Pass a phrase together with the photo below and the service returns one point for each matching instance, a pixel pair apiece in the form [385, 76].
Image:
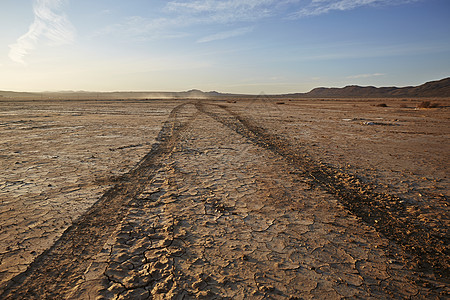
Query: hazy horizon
[243, 47]
[195, 89]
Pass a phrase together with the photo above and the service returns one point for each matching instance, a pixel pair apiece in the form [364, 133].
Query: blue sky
[246, 46]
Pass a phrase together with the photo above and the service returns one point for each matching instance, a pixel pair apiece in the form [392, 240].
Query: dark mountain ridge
[438, 88]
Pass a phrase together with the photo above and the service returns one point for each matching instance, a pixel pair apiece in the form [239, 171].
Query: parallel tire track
[61, 267]
[386, 213]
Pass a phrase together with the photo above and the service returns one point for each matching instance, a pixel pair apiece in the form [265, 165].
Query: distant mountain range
[439, 88]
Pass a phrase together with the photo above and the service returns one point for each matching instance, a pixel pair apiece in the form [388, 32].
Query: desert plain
[255, 198]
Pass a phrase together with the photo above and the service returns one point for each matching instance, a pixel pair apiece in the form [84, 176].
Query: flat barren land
[248, 199]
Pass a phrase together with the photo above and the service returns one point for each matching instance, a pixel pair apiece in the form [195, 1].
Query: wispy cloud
[319, 7]
[250, 10]
[225, 11]
[138, 28]
[359, 76]
[49, 22]
[226, 34]
[176, 16]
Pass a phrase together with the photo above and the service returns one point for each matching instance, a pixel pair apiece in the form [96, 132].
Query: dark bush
[427, 104]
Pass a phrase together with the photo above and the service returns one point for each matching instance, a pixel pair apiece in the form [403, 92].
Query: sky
[233, 46]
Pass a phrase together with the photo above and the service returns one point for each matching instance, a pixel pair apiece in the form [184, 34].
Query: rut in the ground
[68, 258]
[385, 212]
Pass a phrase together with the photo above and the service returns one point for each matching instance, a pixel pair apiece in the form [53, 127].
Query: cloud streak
[224, 11]
[319, 7]
[50, 23]
[225, 35]
[359, 76]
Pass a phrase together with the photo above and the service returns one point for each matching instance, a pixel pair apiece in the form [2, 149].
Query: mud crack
[386, 213]
[62, 266]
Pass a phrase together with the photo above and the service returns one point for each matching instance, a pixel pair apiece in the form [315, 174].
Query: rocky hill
[439, 88]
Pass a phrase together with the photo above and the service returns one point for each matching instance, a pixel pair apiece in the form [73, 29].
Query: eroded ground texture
[209, 199]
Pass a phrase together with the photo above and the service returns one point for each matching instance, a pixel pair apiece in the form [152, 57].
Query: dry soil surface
[207, 199]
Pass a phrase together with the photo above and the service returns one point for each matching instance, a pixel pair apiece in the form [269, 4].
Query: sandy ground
[323, 199]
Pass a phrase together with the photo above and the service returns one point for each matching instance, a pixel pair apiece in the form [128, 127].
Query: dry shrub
[427, 104]
[381, 105]
[280, 102]
[231, 101]
[403, 106]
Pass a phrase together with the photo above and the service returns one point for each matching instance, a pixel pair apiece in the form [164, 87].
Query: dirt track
[223, 206]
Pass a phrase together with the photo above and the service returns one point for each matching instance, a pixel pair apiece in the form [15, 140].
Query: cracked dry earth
[222, 207]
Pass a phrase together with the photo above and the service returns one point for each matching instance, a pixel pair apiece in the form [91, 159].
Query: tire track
[62, 266]
[59, 269]
[386, 213]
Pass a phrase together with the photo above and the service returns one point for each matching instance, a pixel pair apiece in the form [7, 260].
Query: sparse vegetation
[428, 104]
